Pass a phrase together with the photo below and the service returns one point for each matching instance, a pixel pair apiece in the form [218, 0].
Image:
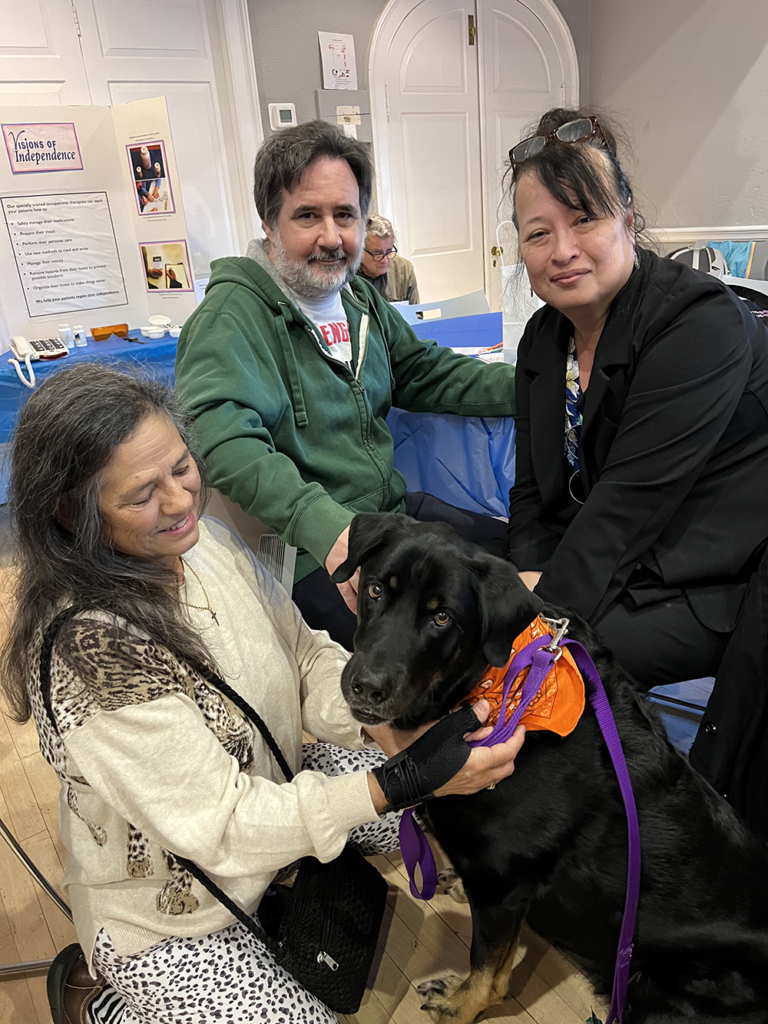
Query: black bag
[323, 930]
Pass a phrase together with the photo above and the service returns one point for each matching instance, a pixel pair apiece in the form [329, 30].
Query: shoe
[71, 989]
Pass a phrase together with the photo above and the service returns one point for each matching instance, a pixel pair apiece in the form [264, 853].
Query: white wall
[288, 57]
[286, 49]
[689, 79]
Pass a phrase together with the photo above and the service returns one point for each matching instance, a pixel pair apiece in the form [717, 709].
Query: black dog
[549, 843]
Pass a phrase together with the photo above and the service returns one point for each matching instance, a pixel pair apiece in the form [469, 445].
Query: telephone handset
[29, 351]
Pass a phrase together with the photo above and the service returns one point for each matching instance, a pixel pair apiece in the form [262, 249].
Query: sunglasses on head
[574, 131]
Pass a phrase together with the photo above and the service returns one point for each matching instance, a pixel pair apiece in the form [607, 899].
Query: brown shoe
[70, 986]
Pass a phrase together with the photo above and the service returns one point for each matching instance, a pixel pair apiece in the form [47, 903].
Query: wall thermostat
[282, 115]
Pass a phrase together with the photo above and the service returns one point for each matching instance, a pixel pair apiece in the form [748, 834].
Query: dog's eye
[442, 618]
[375, 591]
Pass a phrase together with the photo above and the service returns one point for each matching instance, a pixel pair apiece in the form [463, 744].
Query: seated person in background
[391, 275]
[648, 511]
[292, 362]
[152, 757]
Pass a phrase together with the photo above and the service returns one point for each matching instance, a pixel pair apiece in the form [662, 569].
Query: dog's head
[433, 611]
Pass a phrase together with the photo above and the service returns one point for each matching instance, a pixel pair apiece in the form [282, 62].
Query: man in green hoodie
[292, 362]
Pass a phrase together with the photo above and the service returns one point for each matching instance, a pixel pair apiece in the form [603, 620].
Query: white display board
[91, 219]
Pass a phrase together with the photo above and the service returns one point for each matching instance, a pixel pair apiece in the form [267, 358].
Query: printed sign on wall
[66, 252]
[42, 147]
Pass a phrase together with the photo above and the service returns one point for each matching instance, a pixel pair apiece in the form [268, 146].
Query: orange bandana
[559, 703]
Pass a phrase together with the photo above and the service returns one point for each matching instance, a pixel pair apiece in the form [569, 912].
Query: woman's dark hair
[66, 435]
[283, 159]
[574, 178]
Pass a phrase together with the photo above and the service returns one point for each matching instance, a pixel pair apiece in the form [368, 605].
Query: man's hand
[336, 556]
[530, 579]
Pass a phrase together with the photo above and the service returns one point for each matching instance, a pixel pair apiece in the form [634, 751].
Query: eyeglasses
[379, 257]
[574, 131]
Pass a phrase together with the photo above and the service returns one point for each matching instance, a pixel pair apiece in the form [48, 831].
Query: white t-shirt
[332, 323]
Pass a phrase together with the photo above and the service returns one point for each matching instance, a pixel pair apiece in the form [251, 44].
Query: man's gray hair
[285, 156]
[379, 227]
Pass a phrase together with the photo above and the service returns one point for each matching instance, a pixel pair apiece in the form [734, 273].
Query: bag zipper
[323, 956]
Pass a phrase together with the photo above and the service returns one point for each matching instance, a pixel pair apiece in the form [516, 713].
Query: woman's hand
[392, 740]
[484, 766]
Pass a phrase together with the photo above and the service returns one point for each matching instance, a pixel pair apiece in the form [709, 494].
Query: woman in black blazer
[641, 491]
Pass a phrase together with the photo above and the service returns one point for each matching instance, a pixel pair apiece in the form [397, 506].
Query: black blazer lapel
[605, 396]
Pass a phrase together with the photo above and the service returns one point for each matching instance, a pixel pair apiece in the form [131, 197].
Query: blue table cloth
[468, 461]
[156, 357]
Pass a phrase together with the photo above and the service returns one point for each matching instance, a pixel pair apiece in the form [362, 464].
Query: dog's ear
[368, 532]
[506, 606]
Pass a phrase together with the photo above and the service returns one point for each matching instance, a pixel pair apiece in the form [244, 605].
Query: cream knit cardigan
[152, 759]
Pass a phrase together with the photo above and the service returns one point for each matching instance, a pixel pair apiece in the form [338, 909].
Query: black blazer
[673, 452]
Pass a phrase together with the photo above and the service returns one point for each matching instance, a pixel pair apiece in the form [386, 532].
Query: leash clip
[561, 628]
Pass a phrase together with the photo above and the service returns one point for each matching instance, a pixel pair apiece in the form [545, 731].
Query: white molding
[734, 233]
[571, 71]
[245, 110]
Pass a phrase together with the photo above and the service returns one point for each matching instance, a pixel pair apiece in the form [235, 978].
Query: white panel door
[446, 113]
[525, 68]
[40, 59]
[166, 48]
[434, 196]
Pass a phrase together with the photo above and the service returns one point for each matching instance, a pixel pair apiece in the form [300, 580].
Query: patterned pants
[228, 976]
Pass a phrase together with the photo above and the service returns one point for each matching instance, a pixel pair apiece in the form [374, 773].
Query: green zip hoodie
[291, 434]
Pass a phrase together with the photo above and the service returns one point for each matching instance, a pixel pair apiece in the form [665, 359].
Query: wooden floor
[422, 941]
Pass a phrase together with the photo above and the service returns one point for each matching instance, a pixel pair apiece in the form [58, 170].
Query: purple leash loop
[541, 654]
[413, 844]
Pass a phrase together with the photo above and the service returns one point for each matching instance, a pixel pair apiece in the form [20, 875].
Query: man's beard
[312, 278]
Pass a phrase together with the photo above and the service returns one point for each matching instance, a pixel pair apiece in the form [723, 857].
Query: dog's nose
[372, 688]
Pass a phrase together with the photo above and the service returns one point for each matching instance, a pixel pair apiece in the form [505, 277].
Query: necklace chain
[199, 607]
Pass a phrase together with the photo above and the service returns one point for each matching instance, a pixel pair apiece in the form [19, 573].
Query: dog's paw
[449, 884]
[435, 995]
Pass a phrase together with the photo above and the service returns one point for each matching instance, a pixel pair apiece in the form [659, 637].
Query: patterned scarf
[573, 417]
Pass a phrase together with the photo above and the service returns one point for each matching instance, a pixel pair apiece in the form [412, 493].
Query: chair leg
[27, 967]
[31, 966]
[40, 878]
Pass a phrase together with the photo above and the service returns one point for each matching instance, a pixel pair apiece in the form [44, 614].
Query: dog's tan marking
[432, 603]
[449, 1001]
[393, 582]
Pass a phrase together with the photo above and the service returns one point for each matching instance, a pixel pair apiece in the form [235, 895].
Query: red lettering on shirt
[335, 333]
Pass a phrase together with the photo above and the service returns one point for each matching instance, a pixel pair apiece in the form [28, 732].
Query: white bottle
[80, 339]
[65, 334]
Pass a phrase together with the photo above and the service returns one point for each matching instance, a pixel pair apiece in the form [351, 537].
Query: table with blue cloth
[468, 461]
[156, 357]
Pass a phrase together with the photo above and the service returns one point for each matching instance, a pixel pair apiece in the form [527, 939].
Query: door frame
[387, 24]
[238, 93]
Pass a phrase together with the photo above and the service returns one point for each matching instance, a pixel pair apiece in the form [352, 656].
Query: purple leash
[541, 654]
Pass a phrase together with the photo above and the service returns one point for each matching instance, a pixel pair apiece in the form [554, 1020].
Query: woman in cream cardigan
[151, 757]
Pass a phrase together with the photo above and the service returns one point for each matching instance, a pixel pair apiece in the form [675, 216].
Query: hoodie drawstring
[297, 395]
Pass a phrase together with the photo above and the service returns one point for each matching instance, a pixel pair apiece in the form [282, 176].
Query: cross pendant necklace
[200, 607]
